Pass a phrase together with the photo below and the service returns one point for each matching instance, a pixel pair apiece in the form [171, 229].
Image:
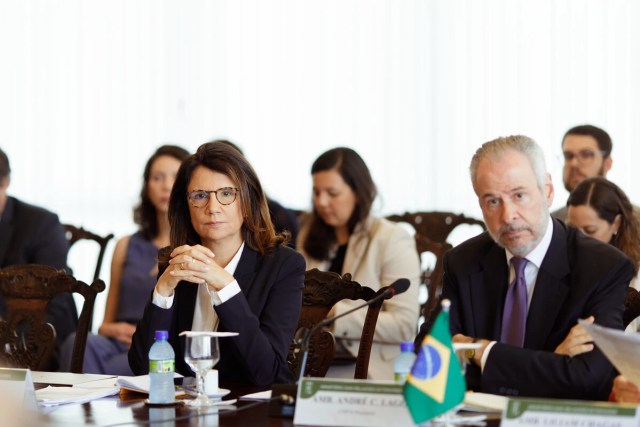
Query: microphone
[284, 403]
[397, 287]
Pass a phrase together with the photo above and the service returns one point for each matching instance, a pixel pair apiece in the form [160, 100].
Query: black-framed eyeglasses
[584, 157]
[224, 195]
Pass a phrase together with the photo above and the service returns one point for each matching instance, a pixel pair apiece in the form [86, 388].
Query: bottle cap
[162, 335]
[406, 346]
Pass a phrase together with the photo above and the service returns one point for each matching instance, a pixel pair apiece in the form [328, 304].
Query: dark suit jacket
[579, 277]
[32, 235]
[265, 314]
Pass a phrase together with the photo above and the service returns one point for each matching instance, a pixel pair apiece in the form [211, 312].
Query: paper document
[261, 395]
[484, 402]
[621, 349]
[82, 393]
[66, 378]
[141, 383]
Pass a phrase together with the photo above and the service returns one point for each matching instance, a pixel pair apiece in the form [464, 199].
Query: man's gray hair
[499, 146]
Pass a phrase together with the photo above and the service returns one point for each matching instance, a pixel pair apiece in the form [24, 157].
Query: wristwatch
[471, 353]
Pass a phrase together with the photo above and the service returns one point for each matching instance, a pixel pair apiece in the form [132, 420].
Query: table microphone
[287, 399]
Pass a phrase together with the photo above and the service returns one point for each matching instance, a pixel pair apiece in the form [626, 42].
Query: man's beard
[600, 173]
[537, 231]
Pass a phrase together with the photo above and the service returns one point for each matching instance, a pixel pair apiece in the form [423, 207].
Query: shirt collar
[537, 254]
[233, 264]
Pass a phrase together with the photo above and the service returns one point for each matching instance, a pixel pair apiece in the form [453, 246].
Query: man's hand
[578, 341]
[625, 391]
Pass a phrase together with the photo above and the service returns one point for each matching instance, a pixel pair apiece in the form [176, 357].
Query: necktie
[514, 317]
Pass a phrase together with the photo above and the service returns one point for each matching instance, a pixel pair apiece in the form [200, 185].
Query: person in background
[283, 219]
[341, 235]
[227, 270]
[587, 152]
[33, 235]
[134, 269]
[600, 209]
[519, 288]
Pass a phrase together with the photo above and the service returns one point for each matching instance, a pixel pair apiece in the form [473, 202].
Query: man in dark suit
[32, 235]
[521, 317]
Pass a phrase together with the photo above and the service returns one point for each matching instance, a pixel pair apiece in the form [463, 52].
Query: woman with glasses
[341, 235]
[226, 270]
[134, 269]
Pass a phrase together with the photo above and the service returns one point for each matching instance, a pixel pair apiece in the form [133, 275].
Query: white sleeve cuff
[226, 293]
[485, 354]
[160, 301]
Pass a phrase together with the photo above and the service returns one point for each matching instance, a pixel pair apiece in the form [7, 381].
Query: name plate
[568, 413]
[17, 385]
[352, 403]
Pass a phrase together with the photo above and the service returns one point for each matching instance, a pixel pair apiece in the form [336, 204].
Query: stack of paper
[79, 393]
[141, 383]
[484, 402]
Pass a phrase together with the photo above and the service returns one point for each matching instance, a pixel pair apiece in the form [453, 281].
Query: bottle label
[162, 366]
[401, 377]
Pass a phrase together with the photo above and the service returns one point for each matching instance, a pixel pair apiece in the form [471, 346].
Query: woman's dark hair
[356, 175]
[257, 229]
[145, 213]
[609, 201]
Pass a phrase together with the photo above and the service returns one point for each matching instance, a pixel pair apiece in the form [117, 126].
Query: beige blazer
[379, 252]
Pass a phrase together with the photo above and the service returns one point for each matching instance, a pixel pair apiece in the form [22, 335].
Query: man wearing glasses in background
[587, 152]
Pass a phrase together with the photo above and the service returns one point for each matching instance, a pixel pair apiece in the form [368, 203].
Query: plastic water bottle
[404, 362]
[161, 368]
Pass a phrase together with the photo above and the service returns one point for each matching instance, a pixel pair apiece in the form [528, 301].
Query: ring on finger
[182, 266]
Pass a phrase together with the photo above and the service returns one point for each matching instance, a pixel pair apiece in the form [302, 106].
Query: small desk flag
[436, 383]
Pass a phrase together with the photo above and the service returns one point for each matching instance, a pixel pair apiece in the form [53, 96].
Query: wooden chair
[432, 230]
[631, 306]
[75, 234]
[435, 226]
[25, 340]
[322, 290]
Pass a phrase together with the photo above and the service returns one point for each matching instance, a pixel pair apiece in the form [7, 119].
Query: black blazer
[265, 314]
[32, 235]
[579, 277]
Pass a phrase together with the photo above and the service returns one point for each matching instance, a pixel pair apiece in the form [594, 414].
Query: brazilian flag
[436, 383]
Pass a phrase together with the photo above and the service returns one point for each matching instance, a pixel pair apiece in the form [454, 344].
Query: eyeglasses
[225, 196]
[584, 157]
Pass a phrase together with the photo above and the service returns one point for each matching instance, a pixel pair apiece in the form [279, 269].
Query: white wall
[88, 89]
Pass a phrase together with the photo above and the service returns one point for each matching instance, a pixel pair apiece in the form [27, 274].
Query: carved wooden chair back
[435, 226]
[75, 234]
[432, 230]
[322, 290]
[26, 341]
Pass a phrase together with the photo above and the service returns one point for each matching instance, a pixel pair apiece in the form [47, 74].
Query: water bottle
[161, 369]
[404, 362]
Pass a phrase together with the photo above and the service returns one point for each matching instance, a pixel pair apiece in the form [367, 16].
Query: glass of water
[201, 353]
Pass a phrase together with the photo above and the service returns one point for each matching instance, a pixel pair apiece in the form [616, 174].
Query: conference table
[129, 409]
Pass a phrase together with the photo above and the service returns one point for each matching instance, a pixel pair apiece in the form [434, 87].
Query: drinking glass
[201, 353]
